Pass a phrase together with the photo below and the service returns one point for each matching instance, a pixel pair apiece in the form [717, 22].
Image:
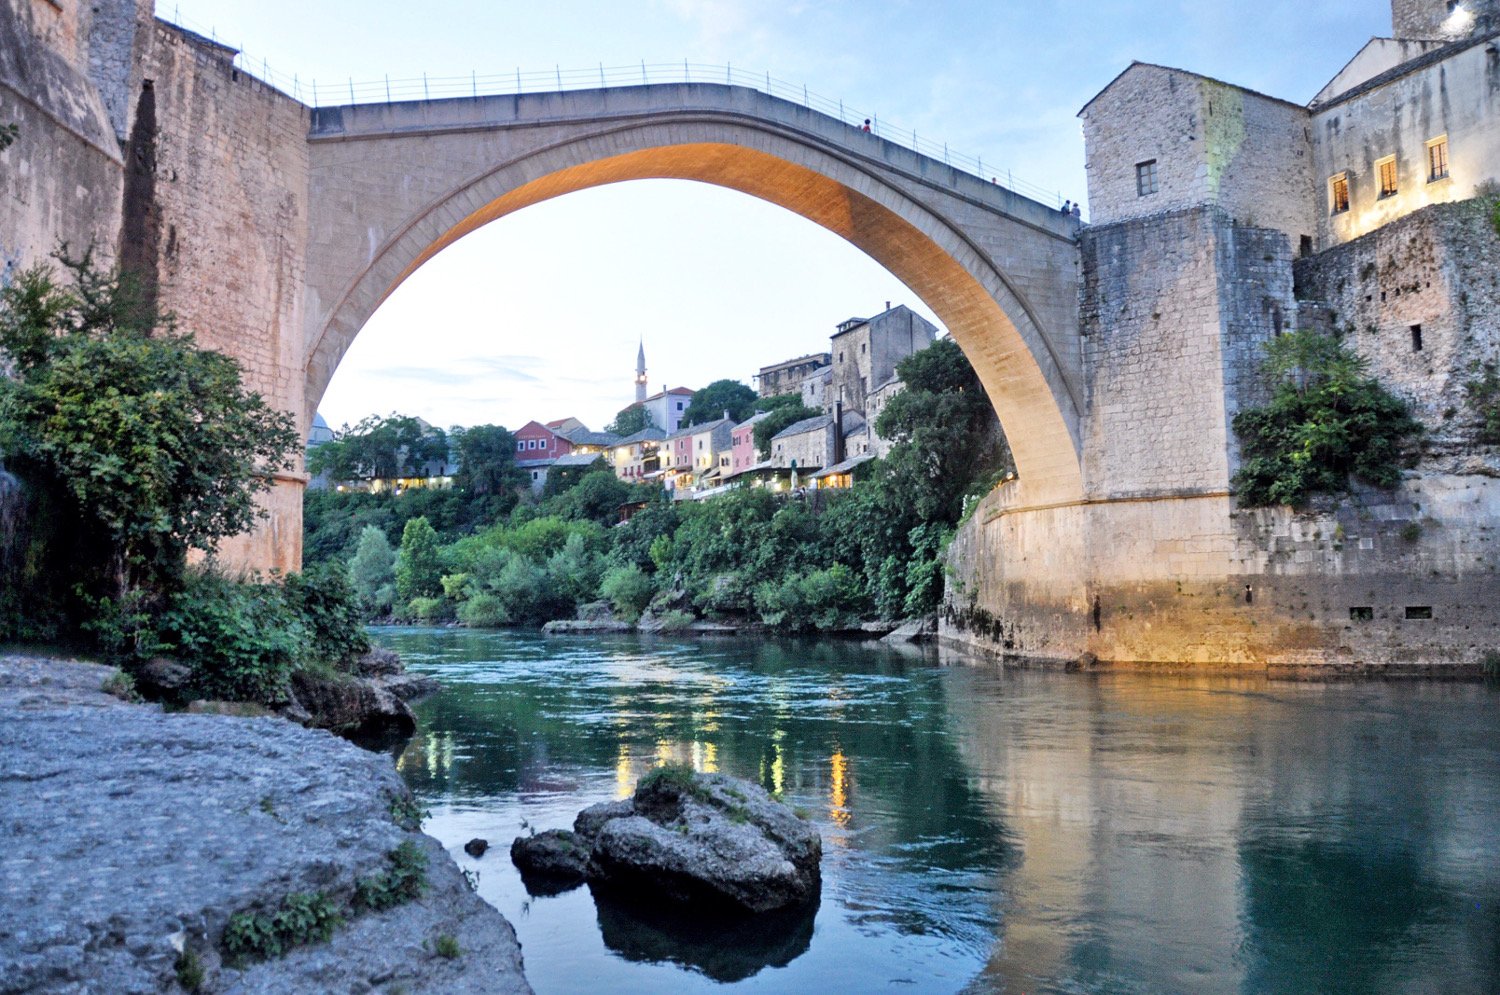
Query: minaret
[640, 373]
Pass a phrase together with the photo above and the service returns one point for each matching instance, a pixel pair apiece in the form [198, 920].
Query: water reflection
[990, 830]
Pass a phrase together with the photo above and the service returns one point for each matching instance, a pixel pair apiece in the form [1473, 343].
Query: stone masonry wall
[1393, 582]
[1437, 270]
[61, 179]
[230, 218]
[1154, 420]
[1213, 143]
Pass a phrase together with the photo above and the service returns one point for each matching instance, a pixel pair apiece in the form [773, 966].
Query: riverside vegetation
[826, 562]
[133, 447]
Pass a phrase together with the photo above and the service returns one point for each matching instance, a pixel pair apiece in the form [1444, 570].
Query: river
[989, 830]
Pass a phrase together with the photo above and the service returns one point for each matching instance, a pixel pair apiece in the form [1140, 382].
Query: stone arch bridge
[390, 185]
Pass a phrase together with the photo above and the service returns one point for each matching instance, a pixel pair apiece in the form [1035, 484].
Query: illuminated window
[1386, 169]
[1338, 193]
[1437, 159]
[1145, 178]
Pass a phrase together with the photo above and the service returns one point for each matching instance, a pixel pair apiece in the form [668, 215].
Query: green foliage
[8, 134]
[710, 403]
[403, 880]
[429, 610]
[324, 597]
[241, 640]
[381, 449]
[1490, 665]
[155, 443]
[633, 540]
[822, 599]
[302, 918]
[418, 569]
[944, 434]
[120, 685]
[189, 969]
[674, 620]
[782, 417]
[446, 946]
[595, 496]
[678, 776]
[1327, 420]
[629, 589]
[372, 573]
[630, 420]
[487, 461]
[1484, 395]
[483, 611]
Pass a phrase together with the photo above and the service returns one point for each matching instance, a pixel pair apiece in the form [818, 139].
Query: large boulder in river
[352, 706]
[555, 857]
[709, 840]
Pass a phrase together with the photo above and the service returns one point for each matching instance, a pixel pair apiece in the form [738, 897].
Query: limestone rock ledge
[127, 833]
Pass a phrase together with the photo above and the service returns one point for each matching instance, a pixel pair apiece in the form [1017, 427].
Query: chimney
[838, 431]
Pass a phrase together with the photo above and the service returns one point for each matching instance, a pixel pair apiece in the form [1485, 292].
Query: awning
[845, 467]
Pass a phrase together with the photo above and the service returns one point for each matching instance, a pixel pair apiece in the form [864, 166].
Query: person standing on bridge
[867, 125]
[1077, 214]
[1067, 207]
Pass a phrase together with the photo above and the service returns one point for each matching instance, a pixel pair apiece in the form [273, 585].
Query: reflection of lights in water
[838, 789]
[705, 757]
[778, 770]
[624, 783]
[665, 754]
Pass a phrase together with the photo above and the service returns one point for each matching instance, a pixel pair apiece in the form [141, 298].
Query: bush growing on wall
[1327, 421]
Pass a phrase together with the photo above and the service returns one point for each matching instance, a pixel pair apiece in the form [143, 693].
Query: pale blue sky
[538, 314]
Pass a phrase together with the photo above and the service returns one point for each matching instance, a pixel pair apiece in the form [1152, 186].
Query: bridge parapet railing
[324, 93]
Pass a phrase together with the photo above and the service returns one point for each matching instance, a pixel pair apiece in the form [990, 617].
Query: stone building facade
[786, 376]
[1190, 268]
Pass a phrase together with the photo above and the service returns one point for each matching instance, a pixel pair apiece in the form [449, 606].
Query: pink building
[742, 455]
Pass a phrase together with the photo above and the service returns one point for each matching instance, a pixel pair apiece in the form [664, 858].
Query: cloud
[469, 370]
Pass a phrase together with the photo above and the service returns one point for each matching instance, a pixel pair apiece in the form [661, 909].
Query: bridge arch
[392, 185]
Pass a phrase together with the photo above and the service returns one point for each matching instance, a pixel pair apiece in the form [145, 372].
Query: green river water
[988, 830]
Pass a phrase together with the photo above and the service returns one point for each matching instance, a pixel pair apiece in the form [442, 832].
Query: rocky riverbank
[136, 846]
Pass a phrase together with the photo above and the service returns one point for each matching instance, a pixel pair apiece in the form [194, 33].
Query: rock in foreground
[701, 840]
[131, 835]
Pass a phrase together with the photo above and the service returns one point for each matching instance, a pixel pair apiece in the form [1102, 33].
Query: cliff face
[131, 835]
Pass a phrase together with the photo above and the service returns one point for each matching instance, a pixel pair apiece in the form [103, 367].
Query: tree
[487, 460]
[945, 438]
[711, 403]
[418, 569]
[380, 449]
[155, 445]
[372, 571]
[629, 421]
[783, 417]
[1327, 420]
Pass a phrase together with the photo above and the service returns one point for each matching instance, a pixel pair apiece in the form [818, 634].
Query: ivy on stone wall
[1484, 395]
[1327, 421]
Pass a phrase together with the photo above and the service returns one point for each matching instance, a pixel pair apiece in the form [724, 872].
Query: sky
[538, 315]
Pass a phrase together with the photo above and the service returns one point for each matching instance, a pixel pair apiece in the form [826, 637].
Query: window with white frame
[1437, 159]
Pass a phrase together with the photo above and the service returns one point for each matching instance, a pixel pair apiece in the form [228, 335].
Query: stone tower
[640, 373]
[1443, 19]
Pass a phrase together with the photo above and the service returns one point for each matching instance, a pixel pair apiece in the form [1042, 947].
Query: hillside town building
[786, 376]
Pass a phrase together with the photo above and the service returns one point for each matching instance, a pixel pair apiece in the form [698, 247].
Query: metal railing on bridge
[323, 93]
